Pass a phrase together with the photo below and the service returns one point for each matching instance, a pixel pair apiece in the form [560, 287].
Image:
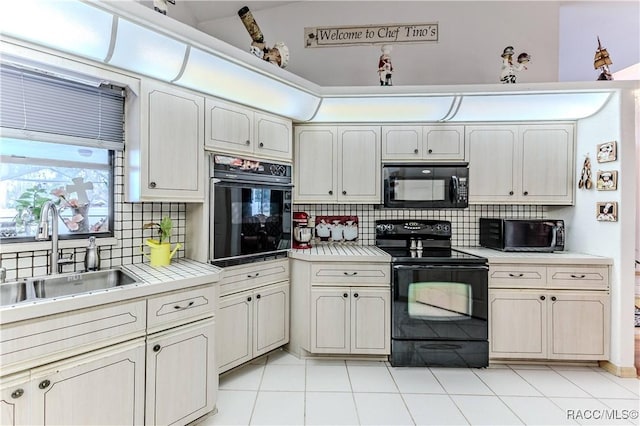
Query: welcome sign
[370, 34]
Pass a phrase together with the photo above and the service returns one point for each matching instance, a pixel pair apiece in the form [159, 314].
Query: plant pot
[160, 253]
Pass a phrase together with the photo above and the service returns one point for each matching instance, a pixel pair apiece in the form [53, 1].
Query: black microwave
[543, 235]
[426, 186]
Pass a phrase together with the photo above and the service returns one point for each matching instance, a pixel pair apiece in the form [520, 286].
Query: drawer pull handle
[542, 297]
[351, 274]
[156, 348]
[553, 298]
[17, 393]
[44, 384]
[254, 275]
[579, 277]
[516, 275]
[190, 304]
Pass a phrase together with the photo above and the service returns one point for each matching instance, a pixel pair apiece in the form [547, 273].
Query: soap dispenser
[92, 256]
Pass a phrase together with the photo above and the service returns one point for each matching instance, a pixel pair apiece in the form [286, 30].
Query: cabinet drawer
[518, 276]
[347, 273]
[580, 276]
[42, 340]
[239, 278]
[181, 306]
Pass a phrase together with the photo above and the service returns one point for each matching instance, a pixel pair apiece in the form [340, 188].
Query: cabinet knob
[525, 193]
[416, 151]
[542, 297]
[257, 296]
[156, 348]
[248, 142]
[355, 294]
[510, 192]
[345, 295]
[17, 393]
[430, 151]
[553, 298]
[249, 299]
[261, 145]
[44, 384]
[152, 185]
[330, 192]
[344, 192]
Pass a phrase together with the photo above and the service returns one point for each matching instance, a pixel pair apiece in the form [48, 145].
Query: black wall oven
[250, 216]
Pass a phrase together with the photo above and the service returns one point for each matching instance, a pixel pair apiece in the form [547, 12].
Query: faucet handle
[3, 274]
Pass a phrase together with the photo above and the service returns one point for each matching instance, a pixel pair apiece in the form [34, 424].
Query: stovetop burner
[432, 256]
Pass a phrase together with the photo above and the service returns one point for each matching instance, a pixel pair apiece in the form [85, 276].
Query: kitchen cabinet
[337, 164]
[549, 312]
[350, 320]
[521, 164]
[235, 129]
[423, 143]
[253, 313]
[167, 162]
[104, 387]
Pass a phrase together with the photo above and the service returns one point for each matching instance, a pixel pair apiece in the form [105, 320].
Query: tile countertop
[556, 258]
[180, 274]
[341, 253]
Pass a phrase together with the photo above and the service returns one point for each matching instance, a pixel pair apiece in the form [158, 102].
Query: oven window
[419, 190]
[439, 300]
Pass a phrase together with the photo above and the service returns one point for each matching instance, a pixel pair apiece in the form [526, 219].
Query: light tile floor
[280, 389]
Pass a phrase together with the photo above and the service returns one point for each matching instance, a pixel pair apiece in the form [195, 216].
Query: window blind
[33, 102]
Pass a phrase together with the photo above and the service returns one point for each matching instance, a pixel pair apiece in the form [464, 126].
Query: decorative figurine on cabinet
[602, 61]
[277, 55]
[509, 69]
[161, 6]
[385, 69]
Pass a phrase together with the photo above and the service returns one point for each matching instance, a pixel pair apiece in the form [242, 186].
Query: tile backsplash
[128, 221]
[464, 222]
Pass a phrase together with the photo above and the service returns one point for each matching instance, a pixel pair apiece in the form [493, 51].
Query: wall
[472, 38]
[128, 221]
[464, 222]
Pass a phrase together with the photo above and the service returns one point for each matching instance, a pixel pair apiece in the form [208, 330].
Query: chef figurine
[385, 69]
[509, 69]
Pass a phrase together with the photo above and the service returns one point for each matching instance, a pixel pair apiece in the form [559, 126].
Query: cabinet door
[370, 321]
[316, 173]
[401, 143]
[15, 394]
[272, 137]
[359, 165]
[271, 318]
[330, 320]
[104, 387]
[228, 127]
[443, 142]
[547, 164]
[578, 325]
[182, 380]
[492, 163]
[517, 324]
[173, 157]
[234, 320]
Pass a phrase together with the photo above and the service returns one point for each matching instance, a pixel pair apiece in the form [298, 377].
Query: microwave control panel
[463, 190]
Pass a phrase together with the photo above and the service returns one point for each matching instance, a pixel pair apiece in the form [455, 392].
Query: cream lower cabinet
[567, 317]
[252, 323]
[350, 320]
[104, 387]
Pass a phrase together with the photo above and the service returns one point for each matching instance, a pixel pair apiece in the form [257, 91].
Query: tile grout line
[499, 397]
[401, 395]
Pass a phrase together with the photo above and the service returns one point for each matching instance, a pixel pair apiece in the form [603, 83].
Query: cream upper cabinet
[167, 162]
[234, 129]
[337, 164]
[423, 143]
[521, 164]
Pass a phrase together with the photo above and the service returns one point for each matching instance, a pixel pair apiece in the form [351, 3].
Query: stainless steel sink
[52, 286]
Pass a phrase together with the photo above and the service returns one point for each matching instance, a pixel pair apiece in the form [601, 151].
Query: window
[58, 143]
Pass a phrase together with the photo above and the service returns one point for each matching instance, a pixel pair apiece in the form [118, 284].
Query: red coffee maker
[302, 232]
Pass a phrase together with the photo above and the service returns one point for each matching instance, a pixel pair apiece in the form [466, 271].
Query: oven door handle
[458, 267]
[250, 184]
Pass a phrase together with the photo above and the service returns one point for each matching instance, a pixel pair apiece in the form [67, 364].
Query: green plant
[29, 204]
[164, 228]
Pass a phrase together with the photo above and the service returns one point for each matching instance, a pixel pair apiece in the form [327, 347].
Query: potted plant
[28, 207]
[160, 254]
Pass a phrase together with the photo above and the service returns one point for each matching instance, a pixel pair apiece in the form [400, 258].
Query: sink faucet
[43, 232]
